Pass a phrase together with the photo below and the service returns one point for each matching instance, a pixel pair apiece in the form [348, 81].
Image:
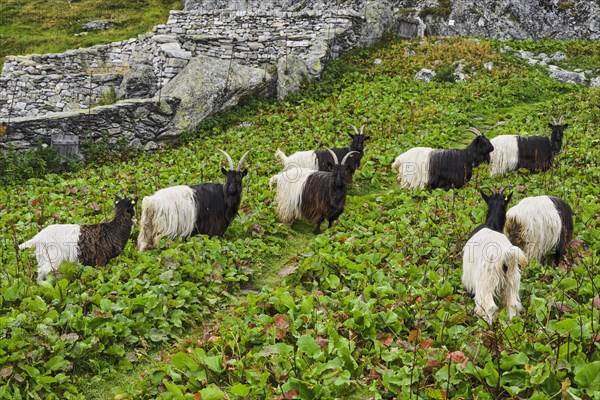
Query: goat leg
[334, 216]
[318, 228]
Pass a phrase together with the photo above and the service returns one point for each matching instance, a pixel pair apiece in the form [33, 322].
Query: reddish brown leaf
[197, 396]
[521, 188]
[427, 343]
[290, 394]
[322, 342]
[281, 322]
[596, 302]
[95, 206]
[458, 357]
[434, 364]
[386, 339]
[73, 190]
[101, 313]
[18, 378]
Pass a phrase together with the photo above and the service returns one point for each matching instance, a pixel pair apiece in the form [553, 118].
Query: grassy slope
[381, 291]
[39, 26]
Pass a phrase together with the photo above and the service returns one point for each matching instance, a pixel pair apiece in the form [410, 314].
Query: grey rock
[595, 82]
[98, 25]
[207, 85]
[488, 65]
[139, 82]
[558, 56]
[150, 146]
[566, 76]
[425, 75]
[292, 75]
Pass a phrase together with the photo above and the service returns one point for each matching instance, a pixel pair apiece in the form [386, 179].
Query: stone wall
[45, 94]
[140, 122]
[43, 83]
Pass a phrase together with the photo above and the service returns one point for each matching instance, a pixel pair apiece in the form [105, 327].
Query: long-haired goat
[322, 160]
[540, 224]
[535, 153]
[182, 211]
[303, 193]
[92, 245]
[424, 167]
[491, 262]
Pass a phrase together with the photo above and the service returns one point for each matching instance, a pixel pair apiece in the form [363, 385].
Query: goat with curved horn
[313, 195]
[182, 211]
[424, 167]
[322, 160]
[535, 153]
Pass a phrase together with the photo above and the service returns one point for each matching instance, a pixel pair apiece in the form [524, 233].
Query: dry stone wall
[45, 94]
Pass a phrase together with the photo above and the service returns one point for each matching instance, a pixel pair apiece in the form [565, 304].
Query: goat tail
[281, 156]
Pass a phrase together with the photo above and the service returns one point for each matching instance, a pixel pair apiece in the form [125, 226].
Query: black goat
[181, 211]
[424, 167]
[535, 153]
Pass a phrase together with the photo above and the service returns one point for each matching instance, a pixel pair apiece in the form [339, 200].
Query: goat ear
[117, 199]
[367, 137]
[485, 197]
[244, 173]
[565, 126]
[134, 200]
[351, 135]
[550, 124]
[223, 171]
[507, 198]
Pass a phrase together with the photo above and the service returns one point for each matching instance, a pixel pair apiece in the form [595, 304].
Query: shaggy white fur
[484, 257]
[53, 245]
[534, 223]
[505, 156]
[300, 159]
[413, 167]
[290, 184]
[169, 212]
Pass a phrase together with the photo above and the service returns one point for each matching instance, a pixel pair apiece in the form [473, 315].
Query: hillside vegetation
[372, 308]
[42, 26]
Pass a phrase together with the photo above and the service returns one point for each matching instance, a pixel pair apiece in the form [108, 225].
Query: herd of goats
[313, 186]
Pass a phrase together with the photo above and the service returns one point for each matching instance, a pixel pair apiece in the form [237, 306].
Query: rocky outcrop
[139, 82]
[292, 76]
[510, 19]
[207, 85]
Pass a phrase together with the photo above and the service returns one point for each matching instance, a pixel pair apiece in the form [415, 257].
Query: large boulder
[292, 75]
[207, 85]
[139, 82]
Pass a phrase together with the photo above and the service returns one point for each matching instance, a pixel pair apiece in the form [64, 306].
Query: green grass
[374, 307]
[41, 26]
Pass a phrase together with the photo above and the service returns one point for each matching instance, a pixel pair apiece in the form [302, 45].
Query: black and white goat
[182, 211]
[322, 160]
[540, 224]
[424, 167]
[535, 153]
[316, 196]
[92, 245]
[491, 263]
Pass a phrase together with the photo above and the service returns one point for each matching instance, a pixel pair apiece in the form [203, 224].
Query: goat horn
[348, 155]
[335, 159]
[475, 131]
[355, 129]
[503, 188]
[241, 163]
[228, 159]
[487, 188]
[560, 119]
[554, 120]
[361, 129]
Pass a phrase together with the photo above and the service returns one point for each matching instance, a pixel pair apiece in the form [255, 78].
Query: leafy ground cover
[41, 26]
[372, 308]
